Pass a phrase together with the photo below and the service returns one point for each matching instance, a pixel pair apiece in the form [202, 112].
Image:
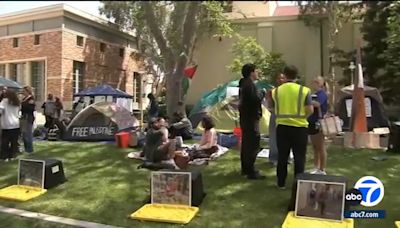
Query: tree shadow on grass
[105, 187]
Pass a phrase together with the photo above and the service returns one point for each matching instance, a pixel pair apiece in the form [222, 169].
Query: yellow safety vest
[289, 100]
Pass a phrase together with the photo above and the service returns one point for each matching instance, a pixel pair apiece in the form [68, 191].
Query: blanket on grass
[199, 161]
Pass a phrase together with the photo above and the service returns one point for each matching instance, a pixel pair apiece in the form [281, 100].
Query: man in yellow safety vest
[293, 104]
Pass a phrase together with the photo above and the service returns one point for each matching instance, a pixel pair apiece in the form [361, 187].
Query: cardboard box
[367, 140]
[133, 138]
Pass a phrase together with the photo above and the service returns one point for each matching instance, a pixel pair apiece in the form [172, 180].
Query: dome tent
[376, 116]
[100, 121]
[222, 104]
[107, 93]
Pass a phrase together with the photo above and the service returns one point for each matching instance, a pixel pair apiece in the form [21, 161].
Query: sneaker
[314, 171]
[321, 172]
[281, 187]
[6, 160]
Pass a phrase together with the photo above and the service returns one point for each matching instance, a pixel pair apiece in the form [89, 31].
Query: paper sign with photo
[171, 188]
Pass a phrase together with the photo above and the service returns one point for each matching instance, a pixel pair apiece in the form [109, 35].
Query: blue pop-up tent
[105, 93]
[103, 90]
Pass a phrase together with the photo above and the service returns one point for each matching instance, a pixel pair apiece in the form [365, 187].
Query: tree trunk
[174, 93]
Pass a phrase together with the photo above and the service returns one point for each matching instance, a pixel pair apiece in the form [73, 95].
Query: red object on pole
[237, 131]
[190, 71]
[358, 115]
[122, 139]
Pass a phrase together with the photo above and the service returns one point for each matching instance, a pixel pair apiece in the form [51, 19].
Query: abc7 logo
[353, 197]
[368, 191]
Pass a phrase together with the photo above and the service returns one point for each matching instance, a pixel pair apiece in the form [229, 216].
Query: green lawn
[105, 187]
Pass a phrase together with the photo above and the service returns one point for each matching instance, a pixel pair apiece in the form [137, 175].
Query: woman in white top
[9, 110]
[209, 139]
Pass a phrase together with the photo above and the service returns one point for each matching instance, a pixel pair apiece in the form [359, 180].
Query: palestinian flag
[190, 71]
[189, 74]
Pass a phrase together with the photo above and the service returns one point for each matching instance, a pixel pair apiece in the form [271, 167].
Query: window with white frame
[78, 76]
[136, 85]
[37, 79]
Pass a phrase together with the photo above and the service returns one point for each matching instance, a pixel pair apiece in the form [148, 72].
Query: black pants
[9, 143]
[250, 145]
[183, 132]
[294, 138]
[49, 122]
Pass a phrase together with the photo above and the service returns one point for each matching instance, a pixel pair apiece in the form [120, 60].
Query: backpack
[50, 108]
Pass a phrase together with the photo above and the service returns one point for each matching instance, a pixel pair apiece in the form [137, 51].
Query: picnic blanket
[200, 161]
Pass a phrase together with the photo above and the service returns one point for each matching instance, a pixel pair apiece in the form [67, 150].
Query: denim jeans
[273, 148]
[27, 137]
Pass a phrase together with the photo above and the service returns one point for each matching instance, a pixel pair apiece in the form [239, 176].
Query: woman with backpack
[49, 110]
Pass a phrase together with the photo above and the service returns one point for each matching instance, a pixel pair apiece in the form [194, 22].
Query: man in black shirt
[250, 115]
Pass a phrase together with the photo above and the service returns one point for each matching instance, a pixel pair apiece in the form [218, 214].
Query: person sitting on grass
[158, 149]
[208, 143]
[181, 127]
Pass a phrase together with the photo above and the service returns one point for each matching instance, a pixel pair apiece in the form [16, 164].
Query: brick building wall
[100, 67]
[48, 50]
[58, 49]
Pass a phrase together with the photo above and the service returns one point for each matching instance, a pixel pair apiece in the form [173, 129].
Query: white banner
[368, 110]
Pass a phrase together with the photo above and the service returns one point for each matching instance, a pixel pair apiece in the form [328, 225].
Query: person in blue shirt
[320, 103]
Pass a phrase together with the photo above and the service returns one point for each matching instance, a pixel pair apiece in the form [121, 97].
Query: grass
[105, 187]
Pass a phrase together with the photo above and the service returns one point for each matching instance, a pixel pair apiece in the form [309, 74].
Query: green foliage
[167, 33]
[390, 56]
[247, 50]
[381, 30]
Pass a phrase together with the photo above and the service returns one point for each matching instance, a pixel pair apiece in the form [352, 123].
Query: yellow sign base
[21, 192]
[294, 222]
[165, 213]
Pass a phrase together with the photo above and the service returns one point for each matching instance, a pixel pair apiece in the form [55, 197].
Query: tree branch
[189, 30]
[155, 30]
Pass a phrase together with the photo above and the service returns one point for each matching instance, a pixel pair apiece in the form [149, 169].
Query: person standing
[293, 105]
[250, 112]
[49, 111]
[320, 103]
[273, 148]
[27, 118]
[78, 106]
[59, 109]
[9, 109]
[153, 107]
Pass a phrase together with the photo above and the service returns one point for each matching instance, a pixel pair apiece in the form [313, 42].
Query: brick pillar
[8, 71]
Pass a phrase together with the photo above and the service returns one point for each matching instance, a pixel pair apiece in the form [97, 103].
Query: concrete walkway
[54, 219]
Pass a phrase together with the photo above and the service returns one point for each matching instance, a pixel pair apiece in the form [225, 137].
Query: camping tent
[376, 116]
[100, 121]
[107, 93]
[222, 104]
